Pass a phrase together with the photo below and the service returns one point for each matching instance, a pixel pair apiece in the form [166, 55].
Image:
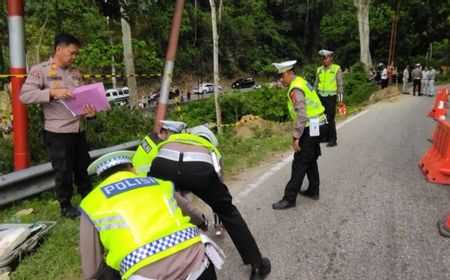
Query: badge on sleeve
[35, 74]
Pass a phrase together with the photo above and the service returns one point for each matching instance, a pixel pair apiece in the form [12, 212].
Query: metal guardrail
[40, 178]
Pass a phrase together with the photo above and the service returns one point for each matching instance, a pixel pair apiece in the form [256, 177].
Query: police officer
[329, 86]
[416, 77]
[47, 84]
[137, 222]
[193, 163]
[309, 119]
[148, 148]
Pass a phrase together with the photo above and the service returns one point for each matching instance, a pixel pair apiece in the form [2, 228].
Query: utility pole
[18, 72]
[393, 39]
[169, 64]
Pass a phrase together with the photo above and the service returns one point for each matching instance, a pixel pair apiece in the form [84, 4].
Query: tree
[216, 65]
[363, 7]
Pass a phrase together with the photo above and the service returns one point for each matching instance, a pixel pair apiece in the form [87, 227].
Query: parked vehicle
[205, 88]
[118, 95]
[243, 83]
[173, 92]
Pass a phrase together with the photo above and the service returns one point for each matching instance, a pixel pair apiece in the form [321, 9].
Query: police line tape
[4, 76]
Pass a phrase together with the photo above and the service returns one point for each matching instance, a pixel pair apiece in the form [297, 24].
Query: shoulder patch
[35, 74]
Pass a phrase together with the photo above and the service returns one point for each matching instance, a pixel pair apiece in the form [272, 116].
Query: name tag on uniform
[314, 127]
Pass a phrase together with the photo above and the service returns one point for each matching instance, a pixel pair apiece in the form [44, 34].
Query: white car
[118, 95]
[205, 88]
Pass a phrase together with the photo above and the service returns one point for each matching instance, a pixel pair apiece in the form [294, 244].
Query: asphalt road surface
[376, 217]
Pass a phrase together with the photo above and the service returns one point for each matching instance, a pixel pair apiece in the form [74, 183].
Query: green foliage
[357, 87]
[7, 154]
[268, 103]
[119, 125]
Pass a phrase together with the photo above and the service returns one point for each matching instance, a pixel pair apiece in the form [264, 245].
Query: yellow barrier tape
[90, 75]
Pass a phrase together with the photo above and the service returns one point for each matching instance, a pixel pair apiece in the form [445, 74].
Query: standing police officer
[47, 84]
[309, 119]
[193, 163]
[329, 86]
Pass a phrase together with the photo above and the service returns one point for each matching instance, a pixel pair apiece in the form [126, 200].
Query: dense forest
[252, 33]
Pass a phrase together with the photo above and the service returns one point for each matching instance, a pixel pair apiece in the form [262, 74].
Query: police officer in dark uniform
[193, 163]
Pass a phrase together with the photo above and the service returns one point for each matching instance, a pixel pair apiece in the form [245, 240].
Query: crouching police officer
[138, 223]
[309, 119]
[192, 163]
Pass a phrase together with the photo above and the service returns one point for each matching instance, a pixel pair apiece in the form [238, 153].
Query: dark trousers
[305, 163]
[417, 84]
[201, 179]
[329, 102]
[209, 273]
[384, 83]
[69, 155]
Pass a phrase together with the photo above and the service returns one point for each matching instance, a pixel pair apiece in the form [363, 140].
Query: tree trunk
[216, 65]
[129, 61]
[363, 7]
[38, 46]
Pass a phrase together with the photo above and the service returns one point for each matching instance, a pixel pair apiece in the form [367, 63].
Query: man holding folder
[48, 84]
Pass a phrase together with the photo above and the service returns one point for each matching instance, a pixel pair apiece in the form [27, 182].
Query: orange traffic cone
[440, 111]
[444, 226]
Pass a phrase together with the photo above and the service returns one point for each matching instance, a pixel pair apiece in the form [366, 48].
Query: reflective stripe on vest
[327, 85]
[190, 139]
[157, 246]
[131, 212]
[314, 108]
[145, 153]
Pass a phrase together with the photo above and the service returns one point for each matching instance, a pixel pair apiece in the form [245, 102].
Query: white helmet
[205, 132]
[173, 126]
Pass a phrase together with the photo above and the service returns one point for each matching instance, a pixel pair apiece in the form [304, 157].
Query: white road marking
[238, 198]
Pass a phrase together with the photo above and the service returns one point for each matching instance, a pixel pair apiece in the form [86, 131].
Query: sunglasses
[324, 57]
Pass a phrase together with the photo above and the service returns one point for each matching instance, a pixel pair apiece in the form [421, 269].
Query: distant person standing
[48, 83]
[416, 77]
[424, 81]
[329, 87]
[384, 77]
[405, 79]
[431, 80]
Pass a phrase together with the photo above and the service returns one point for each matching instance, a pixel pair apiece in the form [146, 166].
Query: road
[376, 217]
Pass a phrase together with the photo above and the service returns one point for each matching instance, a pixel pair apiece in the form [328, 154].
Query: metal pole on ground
[168, 66]
[18, 72]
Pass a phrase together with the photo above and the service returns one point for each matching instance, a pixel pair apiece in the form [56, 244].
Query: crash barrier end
[444, 226]
[435, 163]
[440, 105]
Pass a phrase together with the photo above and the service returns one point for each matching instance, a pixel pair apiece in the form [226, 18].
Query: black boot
[283, 204]
[262, 270]
[68, 211]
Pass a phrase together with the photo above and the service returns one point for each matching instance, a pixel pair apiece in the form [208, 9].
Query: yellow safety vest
[138, 221]
[144, 156]
[327, 85]
[314, 108]
[191, 139]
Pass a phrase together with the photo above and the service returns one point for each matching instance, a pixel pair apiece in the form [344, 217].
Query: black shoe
[332, 144]
[283, 204]
[260, 272]
[69, 212]
[314, 196]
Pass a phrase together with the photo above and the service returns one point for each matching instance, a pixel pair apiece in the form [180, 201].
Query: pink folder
[93, 94]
